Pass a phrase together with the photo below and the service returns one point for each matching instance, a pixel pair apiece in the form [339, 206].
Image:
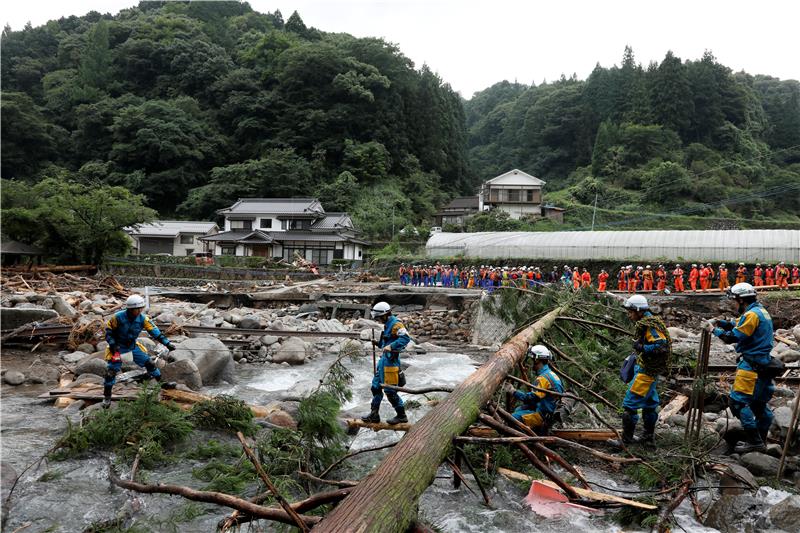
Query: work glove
[374, 342]
[724, 325]
[638, 346]
[709, 326]
[170, 347]
[387, 348]
[116, 357]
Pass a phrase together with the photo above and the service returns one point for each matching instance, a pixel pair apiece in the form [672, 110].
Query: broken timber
[387, 499]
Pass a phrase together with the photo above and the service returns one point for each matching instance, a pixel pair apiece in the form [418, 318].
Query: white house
[174, 237]
[516, 192]
[281, 227]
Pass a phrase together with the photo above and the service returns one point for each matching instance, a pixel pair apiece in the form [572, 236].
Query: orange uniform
[782, 275]
[741, 274]
[576, 279]
[704, 278]
[601, 281]
[770, 272]
[586, 279]
[693, 275]
[647, 277]
[633, 281]
[622, 280]
[662, 279]
[723, 278]
[758, 277]
[795, 275]
[677, 277]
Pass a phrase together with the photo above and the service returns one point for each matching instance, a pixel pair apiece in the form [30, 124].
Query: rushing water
[80, 492]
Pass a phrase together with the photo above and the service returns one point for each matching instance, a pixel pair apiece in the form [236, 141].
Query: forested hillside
[684, 137]
[193, 105]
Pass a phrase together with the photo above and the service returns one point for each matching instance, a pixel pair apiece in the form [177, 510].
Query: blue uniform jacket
[539, 400]
[396, 336]
[122, 330]
[752, 333]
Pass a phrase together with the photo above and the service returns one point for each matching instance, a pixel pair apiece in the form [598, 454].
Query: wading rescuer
[653, 347]
[393, 340]
[537, 407]
[122, 330]
[753, 385]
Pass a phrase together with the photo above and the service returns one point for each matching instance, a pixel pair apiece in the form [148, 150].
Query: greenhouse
[673, 245]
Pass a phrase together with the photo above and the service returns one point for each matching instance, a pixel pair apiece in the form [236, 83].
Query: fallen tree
[387, 499]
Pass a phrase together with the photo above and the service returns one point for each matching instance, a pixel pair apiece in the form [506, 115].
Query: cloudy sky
[475, 43]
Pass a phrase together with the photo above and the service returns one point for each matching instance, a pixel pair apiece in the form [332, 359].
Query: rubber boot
[373, 417]
[648, 436]
[752, 444]
[106, 396]
[165, 384]
[400, 418]
[628, 427]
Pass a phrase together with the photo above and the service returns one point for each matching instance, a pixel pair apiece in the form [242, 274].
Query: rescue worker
[758, 276]
[741, 273]
[723, 277]
[661, 275]
[122, 330]
[677, 278]
[782, 275]
[703, 277]
[795, 274]
[536, 408]
[694, 275]
[586, 279]
[633, 279]
[710, 275]
[752, 389]
[770, 274]
[394, 339]
[653, 345]
[647, 279]
[622, 280]
[576, 278]
[602, 278]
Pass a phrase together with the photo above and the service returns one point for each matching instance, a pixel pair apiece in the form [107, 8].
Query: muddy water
[81, 494]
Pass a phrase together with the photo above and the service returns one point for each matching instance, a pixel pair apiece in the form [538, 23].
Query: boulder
[293, 350]
[87, 378]
[17, 299]
[85, 347]
[727, 512]
[63, 308]
[250, 322]
[14, 317]
[8, 476]
[183, 371]
[269, 340]
[14, 377]
[282, 419]
[782, 419]
[372, 333]
[43, 374]
[796, 333]
[790, 356]
[330, 326]
[212, 358]
[760, 464]
[736, 479]
[75, 357]
[364, 323]
[786, 514]
[91, 365]
[308, 309]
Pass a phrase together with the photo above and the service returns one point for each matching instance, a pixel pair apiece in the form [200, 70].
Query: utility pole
[594, 212]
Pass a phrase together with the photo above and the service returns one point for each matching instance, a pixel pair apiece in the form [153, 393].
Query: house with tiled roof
[174, 237]
[282, 227]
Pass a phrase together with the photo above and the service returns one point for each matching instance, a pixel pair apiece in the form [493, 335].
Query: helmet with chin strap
[540, 353]
[637, 302]
[380, 309]
[134, 301]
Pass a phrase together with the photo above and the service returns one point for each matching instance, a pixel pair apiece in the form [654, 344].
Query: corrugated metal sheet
[722, 245]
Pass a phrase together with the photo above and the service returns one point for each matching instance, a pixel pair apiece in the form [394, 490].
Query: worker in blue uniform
[394, 339]
[122, 330]
[753, 385]
[536, 408]
[653, 347]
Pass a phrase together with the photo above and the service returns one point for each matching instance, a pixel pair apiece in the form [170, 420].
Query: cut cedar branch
[387, 500]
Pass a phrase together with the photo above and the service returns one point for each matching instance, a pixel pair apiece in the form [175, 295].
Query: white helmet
[540, 353]
[637, 302]
[741, 290]
[380, 309]
[134, 301]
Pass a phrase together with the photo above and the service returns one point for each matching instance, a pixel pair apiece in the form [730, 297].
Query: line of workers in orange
[628, 278]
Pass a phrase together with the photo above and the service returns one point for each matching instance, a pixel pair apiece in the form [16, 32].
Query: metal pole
[789, 435]
[594, 212]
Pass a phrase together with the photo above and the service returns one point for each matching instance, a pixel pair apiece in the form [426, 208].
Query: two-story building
[281, 227]
[174, 237]
[457, 211]
[516, 192]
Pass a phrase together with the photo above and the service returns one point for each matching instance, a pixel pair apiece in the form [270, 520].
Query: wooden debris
[676, 405]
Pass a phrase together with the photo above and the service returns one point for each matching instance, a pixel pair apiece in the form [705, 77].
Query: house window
[513, 195]
[189, 251]
[295, 224]
[529, 195]
[241, 224]
[338, 254]
[229, 250]
[494, 195]
[266, 223]
[187, 239]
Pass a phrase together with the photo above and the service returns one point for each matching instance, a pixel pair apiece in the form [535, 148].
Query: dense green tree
[671, 95]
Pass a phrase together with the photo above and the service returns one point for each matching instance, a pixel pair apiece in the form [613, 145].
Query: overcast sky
[475, 43]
